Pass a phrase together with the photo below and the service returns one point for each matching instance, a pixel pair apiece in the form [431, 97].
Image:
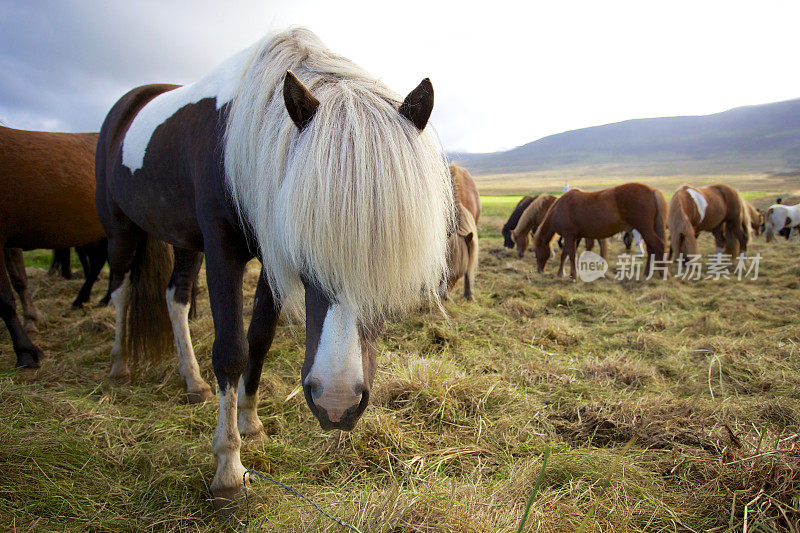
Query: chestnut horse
[602, 214]
[513, 219]
[532, 217]
[756, 218]
[465, 190]
[717, 209]
[462, 244]
[46, 201]
[331, 182]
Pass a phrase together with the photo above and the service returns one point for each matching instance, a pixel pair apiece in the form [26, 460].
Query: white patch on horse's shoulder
[699, 200]
[339, 351]
[221, 83]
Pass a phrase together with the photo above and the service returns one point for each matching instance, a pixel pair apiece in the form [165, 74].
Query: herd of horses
[637, 209]
[291, 154]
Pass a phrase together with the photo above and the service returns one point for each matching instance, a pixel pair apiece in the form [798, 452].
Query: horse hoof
[254, 439]
[76, 305]
[200, 396]
[30, 327]
[227, 501]
[29, 358]
[119, 372]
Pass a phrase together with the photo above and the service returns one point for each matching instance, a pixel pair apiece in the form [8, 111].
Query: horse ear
[418, 105]
[300, 103]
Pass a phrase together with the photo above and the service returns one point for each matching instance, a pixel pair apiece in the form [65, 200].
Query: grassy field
[665, 406]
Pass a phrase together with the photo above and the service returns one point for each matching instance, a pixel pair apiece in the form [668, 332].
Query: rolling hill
[761, 138]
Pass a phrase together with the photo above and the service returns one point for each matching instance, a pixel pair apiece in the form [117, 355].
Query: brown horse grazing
[716, 208]
[756, 218]
[532, 217]
[467, 190]
[513, 220]
[601, 214]
[46, 201]
[462, 245]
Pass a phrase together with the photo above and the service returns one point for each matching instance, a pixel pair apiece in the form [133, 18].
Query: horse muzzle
[337, 409]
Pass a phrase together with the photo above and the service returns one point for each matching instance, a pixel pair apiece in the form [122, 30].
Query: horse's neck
[546, 230]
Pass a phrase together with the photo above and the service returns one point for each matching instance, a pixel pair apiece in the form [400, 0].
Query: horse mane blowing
[359, 199]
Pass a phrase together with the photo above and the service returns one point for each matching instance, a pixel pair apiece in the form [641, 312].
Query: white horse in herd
[780, 216]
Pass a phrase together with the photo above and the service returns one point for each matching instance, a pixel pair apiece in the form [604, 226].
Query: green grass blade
[534, 491]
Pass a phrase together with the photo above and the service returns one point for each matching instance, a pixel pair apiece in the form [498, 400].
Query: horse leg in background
[259, 339]
[83, 257]
[95, 255]
[589, 244]
[60, 263]
[15, 263]
[736, 239]
[719, 241]
[179, 293]
[225, 266]
[654, 245]
[570, 246]
[627, 239]
[604, 248]
[561, 263]
[28, 355]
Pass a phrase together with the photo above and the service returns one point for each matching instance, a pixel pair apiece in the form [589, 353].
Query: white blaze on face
[700, 201]
[220, 83]
[337, 367]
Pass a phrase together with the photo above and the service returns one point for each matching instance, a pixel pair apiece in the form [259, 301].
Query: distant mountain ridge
[761, 137]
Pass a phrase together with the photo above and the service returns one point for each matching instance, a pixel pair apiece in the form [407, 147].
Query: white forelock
[360, 200]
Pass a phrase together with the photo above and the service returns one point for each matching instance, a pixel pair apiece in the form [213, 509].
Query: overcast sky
[504, 73]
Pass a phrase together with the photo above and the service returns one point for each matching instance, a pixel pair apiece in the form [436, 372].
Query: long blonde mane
[533, 214]
[360, 200]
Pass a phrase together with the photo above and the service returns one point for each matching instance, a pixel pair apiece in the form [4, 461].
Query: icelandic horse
[462, 244]
[46, 201]
[779, 217]
[532, 217]
[715, 208]
[600, 215]
[513, 220]
[294, 155]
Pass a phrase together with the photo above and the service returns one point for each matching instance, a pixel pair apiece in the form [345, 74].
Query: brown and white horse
[717, 209]
[602, 214]
[462, 244]
[292, 154]
[46, 201]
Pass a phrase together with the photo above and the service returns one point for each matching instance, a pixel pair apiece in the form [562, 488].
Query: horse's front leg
[571, 245]
[225, 265]
[259, 339]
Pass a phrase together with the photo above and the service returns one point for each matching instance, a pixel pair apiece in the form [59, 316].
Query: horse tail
[661, 216]
[682, 239]
[149, 328]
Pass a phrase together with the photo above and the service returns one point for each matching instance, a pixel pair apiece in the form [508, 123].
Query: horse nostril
[315, 388]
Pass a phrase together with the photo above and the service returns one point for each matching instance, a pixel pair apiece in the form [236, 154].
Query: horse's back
[119, 119]
[47, 189]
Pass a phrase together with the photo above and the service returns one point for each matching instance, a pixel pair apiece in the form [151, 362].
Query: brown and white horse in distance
[715, 208]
